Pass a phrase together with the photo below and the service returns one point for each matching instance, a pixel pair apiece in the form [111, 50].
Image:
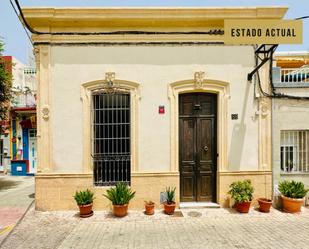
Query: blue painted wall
[25, 144]
[14, 135]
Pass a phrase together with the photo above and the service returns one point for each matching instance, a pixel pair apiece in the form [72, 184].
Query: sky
[18, 45]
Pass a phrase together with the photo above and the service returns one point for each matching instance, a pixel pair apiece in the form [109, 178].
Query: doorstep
[194, 205]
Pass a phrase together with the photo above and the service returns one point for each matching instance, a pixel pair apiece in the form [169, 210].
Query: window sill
[294, 173]
[291, 85]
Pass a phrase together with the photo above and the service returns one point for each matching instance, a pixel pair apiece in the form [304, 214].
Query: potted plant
[149, 207]
[170, 204]
[265, 204]
[120, 196]
[292, 193]
[241, 192]
[84, 200]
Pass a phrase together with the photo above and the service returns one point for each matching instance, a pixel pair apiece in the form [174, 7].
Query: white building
[291, 117]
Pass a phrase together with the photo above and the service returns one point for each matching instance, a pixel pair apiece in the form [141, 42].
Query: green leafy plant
[241, 191]
[149, 203]
[120, 195]
[5, 86]
[293, 189]
[84, 197]
[170, 195]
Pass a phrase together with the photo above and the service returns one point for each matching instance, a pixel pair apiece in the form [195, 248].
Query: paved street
[16, 194]
[201, 228]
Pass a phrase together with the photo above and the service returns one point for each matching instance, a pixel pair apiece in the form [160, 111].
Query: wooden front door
[197, 146]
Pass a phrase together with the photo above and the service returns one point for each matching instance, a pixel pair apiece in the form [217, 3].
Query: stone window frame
[86, 92]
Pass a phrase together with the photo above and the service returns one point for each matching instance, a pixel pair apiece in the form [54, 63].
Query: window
[32, 133]
[111, 138]
[294, 151]
[29, 71]
[1, 152]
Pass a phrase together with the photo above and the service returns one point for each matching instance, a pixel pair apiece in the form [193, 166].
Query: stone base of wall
[55, 191]
[261, 181]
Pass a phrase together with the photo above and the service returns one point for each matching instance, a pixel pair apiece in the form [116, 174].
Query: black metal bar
[267, 56]
[250, 75]
[111, 125]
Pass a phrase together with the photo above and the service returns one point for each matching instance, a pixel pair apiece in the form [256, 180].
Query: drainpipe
[272, 149]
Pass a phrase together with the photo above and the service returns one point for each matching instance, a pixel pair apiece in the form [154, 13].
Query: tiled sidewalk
[16, 194]
[201, 228]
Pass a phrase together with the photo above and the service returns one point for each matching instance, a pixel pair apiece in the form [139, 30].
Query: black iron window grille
[111, 138]
[294, 151]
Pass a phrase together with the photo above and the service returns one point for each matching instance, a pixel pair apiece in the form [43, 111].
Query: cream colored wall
[153, 67]
[288, 115]
[67, 118]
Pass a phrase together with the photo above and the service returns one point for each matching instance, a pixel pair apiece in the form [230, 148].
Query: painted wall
[18, 74]
[288, 115]
[154, 67]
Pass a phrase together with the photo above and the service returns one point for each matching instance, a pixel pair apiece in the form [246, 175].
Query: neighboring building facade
[19, 142]
[156, 99]
[5, 127]
[291, 118]
[4, 148]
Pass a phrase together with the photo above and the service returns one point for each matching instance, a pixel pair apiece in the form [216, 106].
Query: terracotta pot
[85, 210]
[120, 210]
[169, 208]
[149, 209]
[243, 207]
[265, 204]
[292, 205]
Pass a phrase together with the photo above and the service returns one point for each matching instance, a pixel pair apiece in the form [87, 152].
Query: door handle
[205, 148]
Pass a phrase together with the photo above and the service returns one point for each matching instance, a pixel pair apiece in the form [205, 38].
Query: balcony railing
[291, 77]
[22, 99]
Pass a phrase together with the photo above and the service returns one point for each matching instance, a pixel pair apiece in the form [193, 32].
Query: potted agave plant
[292, 194]
[84, 200]
[170, 204]
[241, 192]
[120, 196]
[149, 207]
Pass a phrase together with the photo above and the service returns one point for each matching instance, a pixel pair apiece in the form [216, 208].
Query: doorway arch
[222, 90]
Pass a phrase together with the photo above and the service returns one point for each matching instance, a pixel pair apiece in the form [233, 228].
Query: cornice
[93, 39]
[173, 21]
[135, 17]
[276, 12]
